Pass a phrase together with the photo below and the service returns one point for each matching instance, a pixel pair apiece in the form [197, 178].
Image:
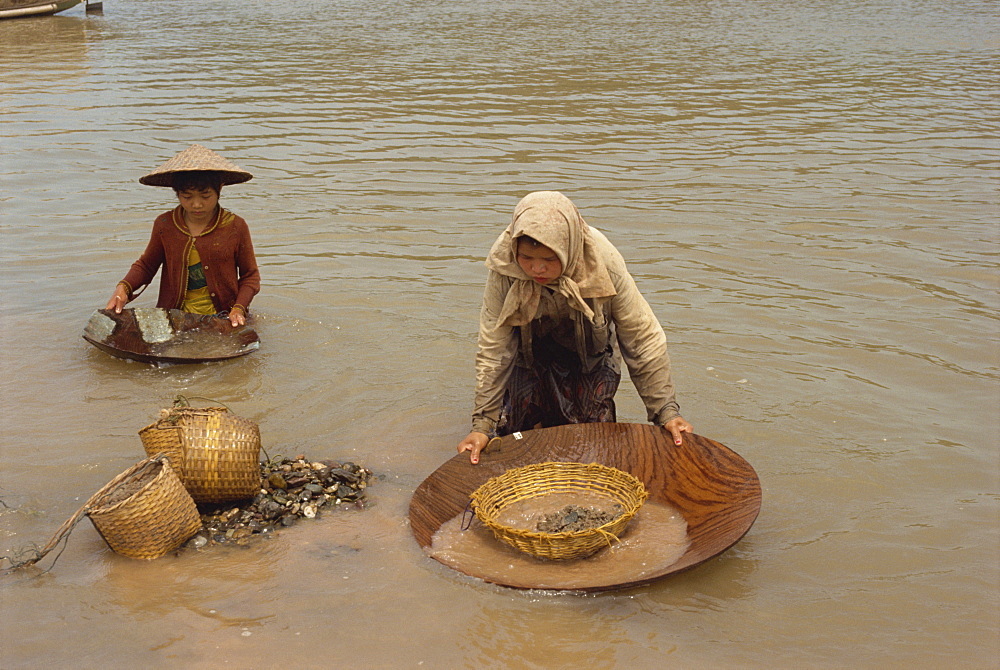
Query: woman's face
[538, 261]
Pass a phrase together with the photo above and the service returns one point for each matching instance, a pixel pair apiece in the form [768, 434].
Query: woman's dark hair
[532, 242]
[197, 180]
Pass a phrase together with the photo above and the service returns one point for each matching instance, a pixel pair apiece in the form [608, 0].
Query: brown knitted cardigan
[226, 255]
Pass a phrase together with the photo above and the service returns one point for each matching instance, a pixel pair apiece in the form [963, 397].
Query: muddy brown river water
[806, 192]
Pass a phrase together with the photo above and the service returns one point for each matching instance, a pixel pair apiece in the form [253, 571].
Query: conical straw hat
[196, 158]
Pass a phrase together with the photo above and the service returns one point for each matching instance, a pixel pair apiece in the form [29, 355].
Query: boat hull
[12, 9]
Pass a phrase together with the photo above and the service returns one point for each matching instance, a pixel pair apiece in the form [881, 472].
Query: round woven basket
[145, 511]
[216, 453]
[540, 479]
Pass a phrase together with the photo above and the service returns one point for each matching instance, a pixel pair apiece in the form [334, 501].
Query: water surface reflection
[805, 192]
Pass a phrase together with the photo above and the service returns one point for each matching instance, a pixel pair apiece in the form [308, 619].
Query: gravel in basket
[541, 479]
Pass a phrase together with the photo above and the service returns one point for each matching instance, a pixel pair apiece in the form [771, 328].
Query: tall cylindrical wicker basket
[215, 452]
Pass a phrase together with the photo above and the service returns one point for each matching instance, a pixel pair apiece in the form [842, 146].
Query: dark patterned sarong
[557, 391]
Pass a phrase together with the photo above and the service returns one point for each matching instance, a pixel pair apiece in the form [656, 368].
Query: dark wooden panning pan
[185, 337]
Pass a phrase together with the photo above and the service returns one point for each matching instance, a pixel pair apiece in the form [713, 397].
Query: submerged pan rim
[150, 358]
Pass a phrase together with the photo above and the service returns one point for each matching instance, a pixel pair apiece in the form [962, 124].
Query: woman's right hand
[474, 443]
[118, 300]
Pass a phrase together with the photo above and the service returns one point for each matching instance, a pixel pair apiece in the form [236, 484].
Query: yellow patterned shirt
[197, 299]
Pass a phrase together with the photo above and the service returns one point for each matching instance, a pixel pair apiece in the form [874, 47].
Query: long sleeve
[246, 264]
[642, 341]
[495, 358]
[146, 267]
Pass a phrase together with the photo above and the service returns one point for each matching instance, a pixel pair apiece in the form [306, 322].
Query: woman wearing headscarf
[560, 311]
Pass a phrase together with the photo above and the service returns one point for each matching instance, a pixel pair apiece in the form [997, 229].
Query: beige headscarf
[552, 219]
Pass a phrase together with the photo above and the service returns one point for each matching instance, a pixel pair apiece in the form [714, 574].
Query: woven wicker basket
[216, 453]
[145, 511]
[540, 479]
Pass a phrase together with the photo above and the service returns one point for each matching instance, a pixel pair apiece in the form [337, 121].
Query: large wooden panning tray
[713, 487]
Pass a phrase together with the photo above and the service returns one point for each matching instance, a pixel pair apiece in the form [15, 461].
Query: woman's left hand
[676, 426]
[237, 318]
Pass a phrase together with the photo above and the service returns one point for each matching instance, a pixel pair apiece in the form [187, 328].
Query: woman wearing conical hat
[559, 312]
[205, 251]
